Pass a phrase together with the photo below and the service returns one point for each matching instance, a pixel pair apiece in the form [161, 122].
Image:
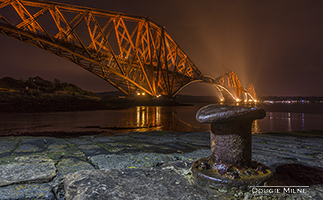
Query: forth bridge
[132, 53]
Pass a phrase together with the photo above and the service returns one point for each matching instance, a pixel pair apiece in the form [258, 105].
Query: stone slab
[52, 140]
[92, 149]
[66, 166]
[113, 161]
[57, 147]
[26, 191]
[31, 145]
[22, 169]
[69, 165]
[144, 183]
[7, 146]
[29, 148]
[194, 155]
[79, 141]
[35, 141]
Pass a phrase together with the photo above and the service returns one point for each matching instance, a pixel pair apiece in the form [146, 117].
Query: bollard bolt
[230, 163]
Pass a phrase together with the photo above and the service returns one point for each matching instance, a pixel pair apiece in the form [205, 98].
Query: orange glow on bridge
[132, 53]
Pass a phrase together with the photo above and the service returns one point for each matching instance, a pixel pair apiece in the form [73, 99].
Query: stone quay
[150, 165]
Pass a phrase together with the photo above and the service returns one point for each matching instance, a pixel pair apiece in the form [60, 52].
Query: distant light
[138, 93]
[159, 95]
[255, 101]
[238, 100]
[222, 99]
[143, 93]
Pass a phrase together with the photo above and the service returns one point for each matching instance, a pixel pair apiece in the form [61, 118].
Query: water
[145, 118]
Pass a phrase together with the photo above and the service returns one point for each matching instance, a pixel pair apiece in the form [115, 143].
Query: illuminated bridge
[134, 54]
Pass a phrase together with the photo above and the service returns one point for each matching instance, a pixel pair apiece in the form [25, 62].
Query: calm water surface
[145, 118]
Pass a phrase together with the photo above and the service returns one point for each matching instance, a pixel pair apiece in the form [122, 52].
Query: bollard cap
[215, 113]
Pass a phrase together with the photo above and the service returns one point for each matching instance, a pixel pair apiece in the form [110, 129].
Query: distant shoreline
[311, 108]
[74, 103]
[39, 95]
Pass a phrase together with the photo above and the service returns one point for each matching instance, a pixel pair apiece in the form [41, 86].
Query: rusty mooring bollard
[230, 163]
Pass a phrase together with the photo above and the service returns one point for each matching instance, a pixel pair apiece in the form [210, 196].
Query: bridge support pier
[230, 164]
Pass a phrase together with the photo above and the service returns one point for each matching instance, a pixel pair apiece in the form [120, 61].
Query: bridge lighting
[255, 101]
[222, 99]
[143, 94]
[138, 93]
[159, 95]
[238, 100]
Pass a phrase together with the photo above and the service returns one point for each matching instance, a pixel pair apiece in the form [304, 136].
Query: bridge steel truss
[134, 54]
[131, 53]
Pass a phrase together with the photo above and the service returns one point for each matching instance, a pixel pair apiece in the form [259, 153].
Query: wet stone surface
[64, 167]
[40, 172]
[31, 145]
[7, 146]
[92, 149]
[27, 191]
[27, 169]
[69, 165]
[131, 184]
[112, 161]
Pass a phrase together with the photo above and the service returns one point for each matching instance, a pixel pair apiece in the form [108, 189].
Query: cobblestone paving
[40, 164]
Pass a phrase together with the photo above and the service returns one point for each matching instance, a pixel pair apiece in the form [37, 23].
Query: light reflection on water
[285, 121]
[145, 118]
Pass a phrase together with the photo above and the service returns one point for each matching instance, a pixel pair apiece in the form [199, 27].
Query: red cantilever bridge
[132, 53]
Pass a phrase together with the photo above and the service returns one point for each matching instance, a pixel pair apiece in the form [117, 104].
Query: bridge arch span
[215, 86]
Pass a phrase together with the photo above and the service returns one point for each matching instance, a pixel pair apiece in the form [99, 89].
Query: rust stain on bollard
[230, 163]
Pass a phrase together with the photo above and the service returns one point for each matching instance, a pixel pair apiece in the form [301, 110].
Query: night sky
[276, 45]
